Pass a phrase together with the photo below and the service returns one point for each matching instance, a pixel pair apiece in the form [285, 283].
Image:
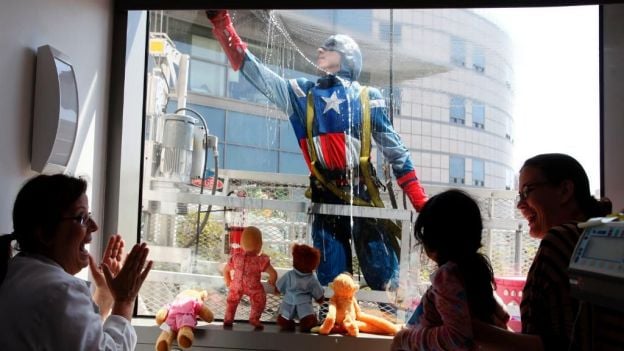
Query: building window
[478, 59]
[458, 110]
[508, 129]
[385, 28]
[396, 99]
[509, 179]
[457, 170]
[478, 172]
[458, 51]
[478, 115]
[207, 72]
[360, 20]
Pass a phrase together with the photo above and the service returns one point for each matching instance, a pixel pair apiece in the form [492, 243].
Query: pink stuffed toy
[242, 276]
[180, 317]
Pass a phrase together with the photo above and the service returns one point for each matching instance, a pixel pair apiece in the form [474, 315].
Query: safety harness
[365, 166]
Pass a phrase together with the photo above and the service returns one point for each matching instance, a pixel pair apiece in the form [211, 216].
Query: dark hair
[450, 224]
[559, 167]
[38, 206]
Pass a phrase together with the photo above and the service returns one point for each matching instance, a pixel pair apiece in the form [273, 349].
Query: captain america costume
[336, 139]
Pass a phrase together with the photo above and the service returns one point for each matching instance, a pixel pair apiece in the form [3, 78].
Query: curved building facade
[446, 74]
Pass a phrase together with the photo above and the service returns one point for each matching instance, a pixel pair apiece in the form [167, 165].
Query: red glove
[414, 191]
[224, 31]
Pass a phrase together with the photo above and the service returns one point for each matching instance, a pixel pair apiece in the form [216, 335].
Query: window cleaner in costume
[334, 119]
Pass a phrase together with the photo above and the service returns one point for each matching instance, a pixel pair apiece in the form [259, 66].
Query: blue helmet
[351, 63]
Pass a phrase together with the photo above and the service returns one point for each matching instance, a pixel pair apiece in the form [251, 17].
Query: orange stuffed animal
[181, 318]
[345, 316]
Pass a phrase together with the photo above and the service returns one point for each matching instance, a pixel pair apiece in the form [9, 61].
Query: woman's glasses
[523, 194]
[83, 220]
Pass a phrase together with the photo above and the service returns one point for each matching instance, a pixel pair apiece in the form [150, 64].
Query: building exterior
[449, 73]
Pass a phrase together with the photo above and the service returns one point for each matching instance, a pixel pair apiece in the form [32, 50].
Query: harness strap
[364, 155]
[365, 166]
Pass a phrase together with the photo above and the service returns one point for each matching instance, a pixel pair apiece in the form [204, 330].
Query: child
[242, 276]
[449, 228]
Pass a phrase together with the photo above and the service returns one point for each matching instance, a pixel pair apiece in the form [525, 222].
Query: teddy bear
[180, 318]
[345, 316]
[299, 286]
[242, 274]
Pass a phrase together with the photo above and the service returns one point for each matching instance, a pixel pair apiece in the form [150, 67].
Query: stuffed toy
[299, 286]
[180, 318]
[345, 316]
[242, 274]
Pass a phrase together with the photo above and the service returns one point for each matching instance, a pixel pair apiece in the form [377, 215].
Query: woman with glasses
[554, 197]
[44, 307]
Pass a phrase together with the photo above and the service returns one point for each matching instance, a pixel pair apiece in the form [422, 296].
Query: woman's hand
[125, 285]
[400, 342]
[113, 259]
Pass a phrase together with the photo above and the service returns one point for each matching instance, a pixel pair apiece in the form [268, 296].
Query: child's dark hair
[450, 225]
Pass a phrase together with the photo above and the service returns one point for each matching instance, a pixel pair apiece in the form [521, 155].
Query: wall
[82, 30]
[613, 104]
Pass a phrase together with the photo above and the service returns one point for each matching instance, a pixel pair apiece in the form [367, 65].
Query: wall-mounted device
[597, 265]
[55, 118]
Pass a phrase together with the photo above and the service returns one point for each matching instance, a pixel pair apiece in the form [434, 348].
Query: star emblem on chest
[332, 103]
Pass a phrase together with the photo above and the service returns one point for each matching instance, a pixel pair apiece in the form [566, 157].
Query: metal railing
[276, 204]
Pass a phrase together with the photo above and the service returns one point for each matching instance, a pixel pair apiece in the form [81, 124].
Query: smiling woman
[50, 308]
[554, 198]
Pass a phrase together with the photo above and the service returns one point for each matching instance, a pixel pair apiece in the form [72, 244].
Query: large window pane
[450, 72]
[208, 78]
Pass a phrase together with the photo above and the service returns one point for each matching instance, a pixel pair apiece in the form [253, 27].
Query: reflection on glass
[447, 77]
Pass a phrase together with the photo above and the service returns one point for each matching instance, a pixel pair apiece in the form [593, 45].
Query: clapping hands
[117, 279]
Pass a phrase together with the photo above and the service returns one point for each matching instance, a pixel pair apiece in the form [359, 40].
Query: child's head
[449, 226]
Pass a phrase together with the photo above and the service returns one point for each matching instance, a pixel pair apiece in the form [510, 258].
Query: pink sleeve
[451, 303]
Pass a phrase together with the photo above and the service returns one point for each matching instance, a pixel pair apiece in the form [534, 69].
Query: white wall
[82, 30]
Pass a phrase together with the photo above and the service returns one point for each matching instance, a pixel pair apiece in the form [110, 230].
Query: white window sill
[242, 336]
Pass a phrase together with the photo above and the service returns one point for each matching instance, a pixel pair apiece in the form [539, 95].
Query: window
[478, 59]
[396, 101]
[478, 172]
[458, 51]
[509, 129]
[458, 110]
[207, 78]
[386, 28]
[207, 66]
[259, 154]
[478, 115]
[457, 170]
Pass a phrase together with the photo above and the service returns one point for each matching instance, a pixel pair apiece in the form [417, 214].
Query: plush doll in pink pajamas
[242, 276]
[179, 318]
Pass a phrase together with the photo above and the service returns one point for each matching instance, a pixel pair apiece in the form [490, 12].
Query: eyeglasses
[523, 194]
[83, 220]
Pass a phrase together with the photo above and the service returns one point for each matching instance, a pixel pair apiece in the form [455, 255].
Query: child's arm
[488, 337]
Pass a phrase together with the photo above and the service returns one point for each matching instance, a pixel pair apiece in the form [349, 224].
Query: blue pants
[378, 261]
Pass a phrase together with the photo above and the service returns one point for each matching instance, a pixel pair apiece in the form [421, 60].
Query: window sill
[242, 336]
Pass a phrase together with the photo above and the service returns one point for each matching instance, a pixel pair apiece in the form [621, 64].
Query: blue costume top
[337, 133]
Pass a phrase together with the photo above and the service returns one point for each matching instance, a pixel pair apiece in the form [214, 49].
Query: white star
[332, 103]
